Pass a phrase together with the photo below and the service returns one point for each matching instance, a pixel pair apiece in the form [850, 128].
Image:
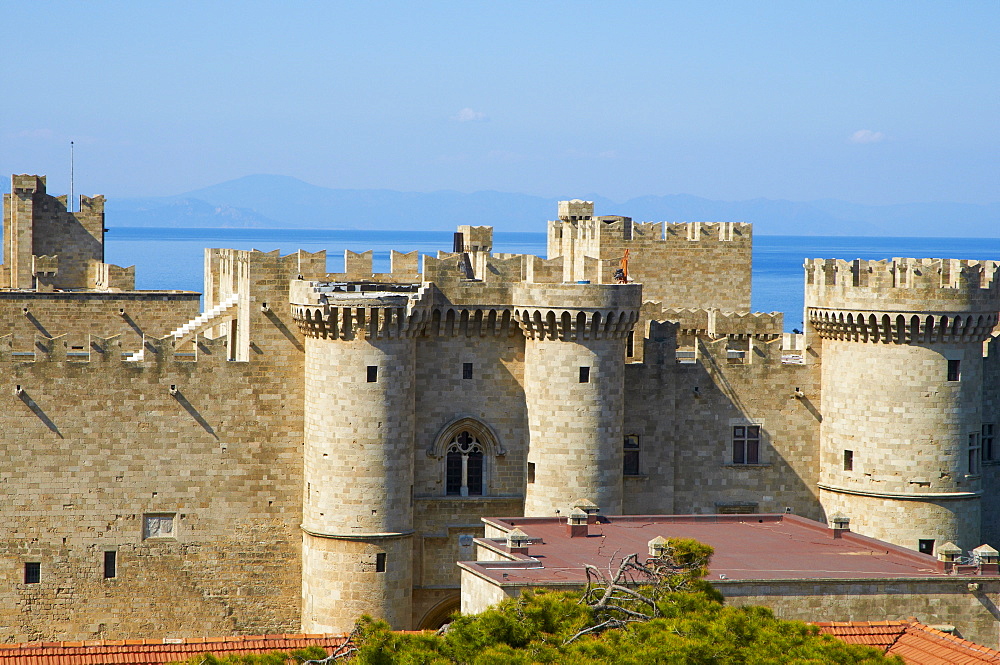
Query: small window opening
[32, 572]
[466, 370]
[110, 565]
[630, 457]
[630, 344]
[848, 460]
[975, 454]
[584, 375]
[531, 472]
[988, 452]
[746, 444]
[926, 546]
[372, 373]
[380, 562]
[954, 370]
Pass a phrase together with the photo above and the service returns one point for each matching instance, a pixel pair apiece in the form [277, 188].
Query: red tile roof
[914, 642]
[154, 652]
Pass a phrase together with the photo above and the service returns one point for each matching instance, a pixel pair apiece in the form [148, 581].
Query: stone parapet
[893, 327]
[347, 311]
[577, 311]
[935, 286]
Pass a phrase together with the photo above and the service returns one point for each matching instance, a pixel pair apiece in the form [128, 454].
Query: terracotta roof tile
[914, 642]
[154, 652]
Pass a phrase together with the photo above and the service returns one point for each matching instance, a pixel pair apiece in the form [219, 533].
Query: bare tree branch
[630, 593]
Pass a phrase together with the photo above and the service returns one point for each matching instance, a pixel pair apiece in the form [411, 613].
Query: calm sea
[174, 258]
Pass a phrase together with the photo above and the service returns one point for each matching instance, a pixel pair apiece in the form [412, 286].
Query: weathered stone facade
[316, 446]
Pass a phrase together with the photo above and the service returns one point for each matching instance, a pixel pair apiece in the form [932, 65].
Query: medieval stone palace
[313, 446]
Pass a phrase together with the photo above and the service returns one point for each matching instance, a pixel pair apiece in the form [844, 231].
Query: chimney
[949, 554]
[589, 507]
[658, 547]
[839, 524]
[989, 560]
[576, 524]
[517, 542]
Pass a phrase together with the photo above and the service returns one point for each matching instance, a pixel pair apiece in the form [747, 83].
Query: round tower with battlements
[902, 391]
[357, 518]
[574, 362]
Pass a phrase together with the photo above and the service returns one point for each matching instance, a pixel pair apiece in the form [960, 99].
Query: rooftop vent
[589, 507]
[839, 523]
[658, 547]
[576, 524]
[988, 558]
[517, 541]
[949, 553]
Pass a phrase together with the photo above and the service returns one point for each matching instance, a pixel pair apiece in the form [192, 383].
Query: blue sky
[870, 102]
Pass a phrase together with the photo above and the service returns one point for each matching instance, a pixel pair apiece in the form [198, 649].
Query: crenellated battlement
[690, 264]
[353, 310]
[46, 246]
[717, 323]
[577, 311]
[615, 228]
[904, 285]
[476, 238]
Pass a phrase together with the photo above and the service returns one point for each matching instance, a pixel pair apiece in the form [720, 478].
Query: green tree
[655, 611]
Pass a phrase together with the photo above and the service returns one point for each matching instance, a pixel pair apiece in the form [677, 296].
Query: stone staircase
[224, 310]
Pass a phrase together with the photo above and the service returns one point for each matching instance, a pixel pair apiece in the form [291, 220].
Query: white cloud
[468, 115]
[867, 136]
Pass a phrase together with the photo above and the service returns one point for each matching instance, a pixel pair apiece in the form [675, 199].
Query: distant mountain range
[272, 201]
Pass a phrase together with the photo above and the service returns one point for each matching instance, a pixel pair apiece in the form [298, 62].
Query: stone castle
[314, 446]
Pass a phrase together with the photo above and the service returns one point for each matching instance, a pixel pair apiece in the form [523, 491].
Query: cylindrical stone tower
[574, 372]
[902, 358]
[357, 518]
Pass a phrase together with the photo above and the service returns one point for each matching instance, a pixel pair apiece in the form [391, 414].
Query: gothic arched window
[464, 468]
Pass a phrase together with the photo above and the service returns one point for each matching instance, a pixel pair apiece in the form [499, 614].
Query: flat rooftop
[747, 548]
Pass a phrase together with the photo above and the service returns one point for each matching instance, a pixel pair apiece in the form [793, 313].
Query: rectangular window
[630, 344]
[746, 444]
[110, 565]
[988, 452]
[466, 370]
[926, 546]
[380, 562]
[32, 572]
[372, 373]
[474, 475]
[975, 454]
[531, 472]
[631, 455]
[954, 370]
[848, 460]
[453, 473]
[584, 375]
[158, 526]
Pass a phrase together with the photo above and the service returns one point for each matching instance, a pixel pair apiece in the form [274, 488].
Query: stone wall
[991, 416]
[147, 314]
[685, 413]
[96, 448]
[693, 265]
[65, 250]
[931, 601]
[908, 429]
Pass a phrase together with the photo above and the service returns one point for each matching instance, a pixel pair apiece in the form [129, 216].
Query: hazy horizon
[868, 103]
